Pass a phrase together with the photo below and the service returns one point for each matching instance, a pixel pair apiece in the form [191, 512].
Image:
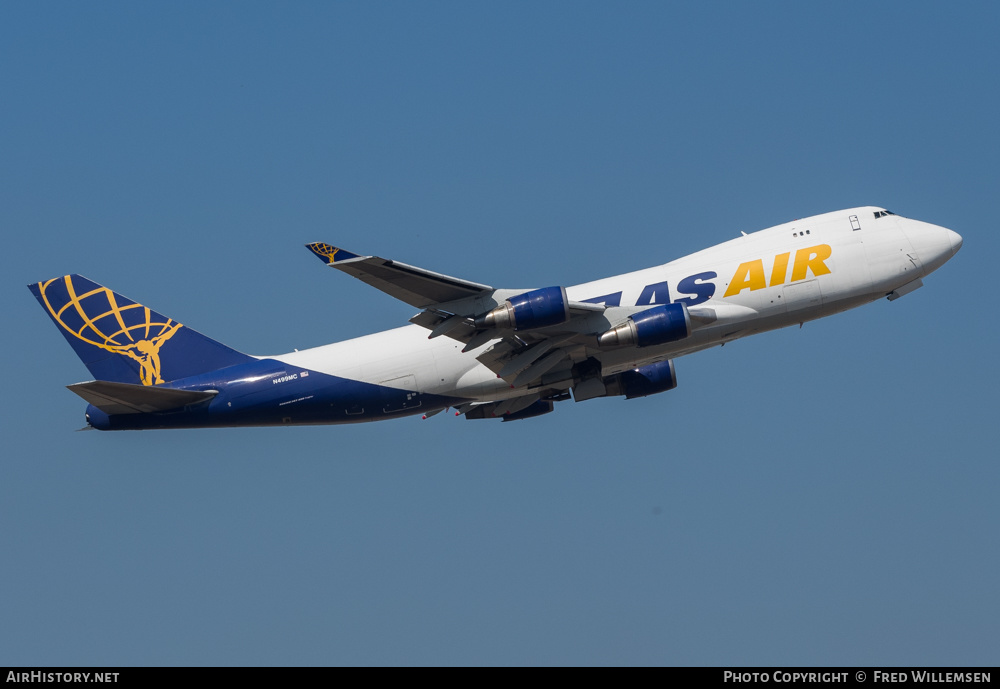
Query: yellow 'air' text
[751, 276]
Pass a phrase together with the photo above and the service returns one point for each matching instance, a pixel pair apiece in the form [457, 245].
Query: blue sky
[816, 496]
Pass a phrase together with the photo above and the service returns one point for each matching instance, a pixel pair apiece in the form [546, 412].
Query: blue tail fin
[125, 342]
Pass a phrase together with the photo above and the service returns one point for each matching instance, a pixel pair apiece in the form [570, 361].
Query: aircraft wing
[415, 286]
[542, 359]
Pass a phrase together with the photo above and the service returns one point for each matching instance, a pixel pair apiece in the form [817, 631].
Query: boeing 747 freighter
[487, 352]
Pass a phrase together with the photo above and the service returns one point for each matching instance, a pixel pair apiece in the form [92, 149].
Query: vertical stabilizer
[122, 341]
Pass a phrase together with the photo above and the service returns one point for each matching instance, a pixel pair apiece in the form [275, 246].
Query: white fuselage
[774, 278]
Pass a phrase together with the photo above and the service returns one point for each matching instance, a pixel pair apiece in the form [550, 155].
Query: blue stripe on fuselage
[267, 392]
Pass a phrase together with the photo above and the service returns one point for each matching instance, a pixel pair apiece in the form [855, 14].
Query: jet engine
[638, 382]
[535, 309]
[535, 409]
[655, 326]
[648, 380]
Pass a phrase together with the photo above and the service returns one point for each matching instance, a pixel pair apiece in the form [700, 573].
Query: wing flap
[127, 398]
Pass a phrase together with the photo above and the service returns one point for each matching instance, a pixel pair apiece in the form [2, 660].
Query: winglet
[330, 254]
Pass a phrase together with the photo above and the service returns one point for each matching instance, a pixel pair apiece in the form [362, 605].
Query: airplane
[486, 352]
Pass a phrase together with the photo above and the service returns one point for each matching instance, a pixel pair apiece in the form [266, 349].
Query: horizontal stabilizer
[125, 398]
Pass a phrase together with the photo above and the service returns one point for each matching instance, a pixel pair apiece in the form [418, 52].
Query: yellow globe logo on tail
[128, 329]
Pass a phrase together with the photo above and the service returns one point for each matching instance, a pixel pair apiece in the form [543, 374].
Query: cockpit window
[879, 214]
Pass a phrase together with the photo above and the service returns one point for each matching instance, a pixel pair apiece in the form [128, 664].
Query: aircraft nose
[956, 241]
[933, 245]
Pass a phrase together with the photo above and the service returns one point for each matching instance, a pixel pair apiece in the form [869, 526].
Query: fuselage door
[802, 295]
[399, 394]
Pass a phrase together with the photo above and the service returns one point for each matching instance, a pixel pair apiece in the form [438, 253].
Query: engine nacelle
[655, 326]
[639, 382]
[537, 408]
[535, 309]
[648, 380]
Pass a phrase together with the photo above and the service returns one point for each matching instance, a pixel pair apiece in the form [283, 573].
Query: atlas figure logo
[130, 329]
